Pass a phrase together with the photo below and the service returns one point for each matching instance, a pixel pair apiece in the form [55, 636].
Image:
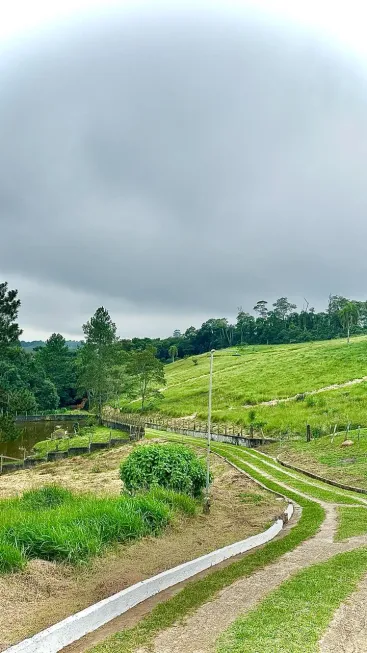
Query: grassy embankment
[316, 590]
[54, 591]
[265, 373]
[97, 434]
[327, 457]
[52, 523]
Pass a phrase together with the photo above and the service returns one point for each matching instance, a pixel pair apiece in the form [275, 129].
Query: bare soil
[47, 592]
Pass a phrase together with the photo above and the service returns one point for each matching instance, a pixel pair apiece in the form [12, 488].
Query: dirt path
[347, 632]
[200, 631]
[334, 386]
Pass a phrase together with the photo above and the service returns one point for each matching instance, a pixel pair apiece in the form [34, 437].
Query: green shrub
[48, 496]
[170, 466]
[11, 558]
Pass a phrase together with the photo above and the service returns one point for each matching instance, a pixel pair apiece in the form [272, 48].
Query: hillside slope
[245, 377]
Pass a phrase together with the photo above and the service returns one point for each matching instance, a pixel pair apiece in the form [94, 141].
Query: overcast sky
[175, 161]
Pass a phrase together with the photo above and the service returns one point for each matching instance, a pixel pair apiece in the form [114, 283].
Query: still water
[29, 434]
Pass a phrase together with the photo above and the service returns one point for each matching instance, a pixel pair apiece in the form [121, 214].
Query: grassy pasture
[264, 373]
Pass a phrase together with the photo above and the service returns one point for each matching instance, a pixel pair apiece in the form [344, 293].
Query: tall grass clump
[170, 466]
[55, 524]
[11, 558]
[48, 496]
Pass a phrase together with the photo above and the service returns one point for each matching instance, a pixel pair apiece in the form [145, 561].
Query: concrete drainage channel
[72, 628]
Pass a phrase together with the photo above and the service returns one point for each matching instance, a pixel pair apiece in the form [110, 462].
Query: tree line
[105, 367]
[47, 377]
[277, 323]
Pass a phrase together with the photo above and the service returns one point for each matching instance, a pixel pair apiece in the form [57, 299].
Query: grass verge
[351, 522]
[315, 489]
[53, 524]
[199, 592]
[293, 617]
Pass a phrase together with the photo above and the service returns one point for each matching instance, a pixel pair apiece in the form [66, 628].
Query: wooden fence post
[308, 433]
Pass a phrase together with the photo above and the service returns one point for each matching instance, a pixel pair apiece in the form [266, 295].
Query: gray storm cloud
[183, 165]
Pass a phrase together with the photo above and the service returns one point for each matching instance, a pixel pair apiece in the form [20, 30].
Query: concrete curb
[72, 628]
[328, 481]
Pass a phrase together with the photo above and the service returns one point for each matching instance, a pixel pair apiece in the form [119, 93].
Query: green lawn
[293, 618]
[325, 456]
[100, 434]
[263, 373]
[352, 521]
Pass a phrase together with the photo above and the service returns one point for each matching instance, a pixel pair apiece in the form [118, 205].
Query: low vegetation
[352, 522]
[52, 523]
[293, 617]
[86, 436]
[166, 465]
[245, 458]
[326, 456]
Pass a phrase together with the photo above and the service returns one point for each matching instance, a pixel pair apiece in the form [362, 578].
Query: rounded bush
[171, 466]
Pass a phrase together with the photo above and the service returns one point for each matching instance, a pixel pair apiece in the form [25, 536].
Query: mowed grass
[351, 522]
[293, 618]
[248, 459]
[327, 457]
[99, 434]
[264, 373]
[52, 523]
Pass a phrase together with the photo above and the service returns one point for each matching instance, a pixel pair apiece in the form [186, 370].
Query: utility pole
[207, 498]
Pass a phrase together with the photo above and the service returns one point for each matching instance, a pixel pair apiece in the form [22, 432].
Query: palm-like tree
[349, 316]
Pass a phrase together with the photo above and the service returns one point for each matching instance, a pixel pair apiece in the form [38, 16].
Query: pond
[30, 433]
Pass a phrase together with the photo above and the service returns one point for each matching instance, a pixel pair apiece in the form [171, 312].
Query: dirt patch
[347, 632]
[97, 473]
[47, 592]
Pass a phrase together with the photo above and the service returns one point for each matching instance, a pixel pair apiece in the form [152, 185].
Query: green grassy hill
[246, 376]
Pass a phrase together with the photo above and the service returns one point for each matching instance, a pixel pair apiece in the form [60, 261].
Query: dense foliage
[170, 466]
[52, 523]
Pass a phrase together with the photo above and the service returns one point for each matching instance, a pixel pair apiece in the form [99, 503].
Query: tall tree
[349, 316]
[173, 352]
[97, 358]
[148, 373]
[261, 309]
[282, 308]
[59, 364]
[9, 307]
